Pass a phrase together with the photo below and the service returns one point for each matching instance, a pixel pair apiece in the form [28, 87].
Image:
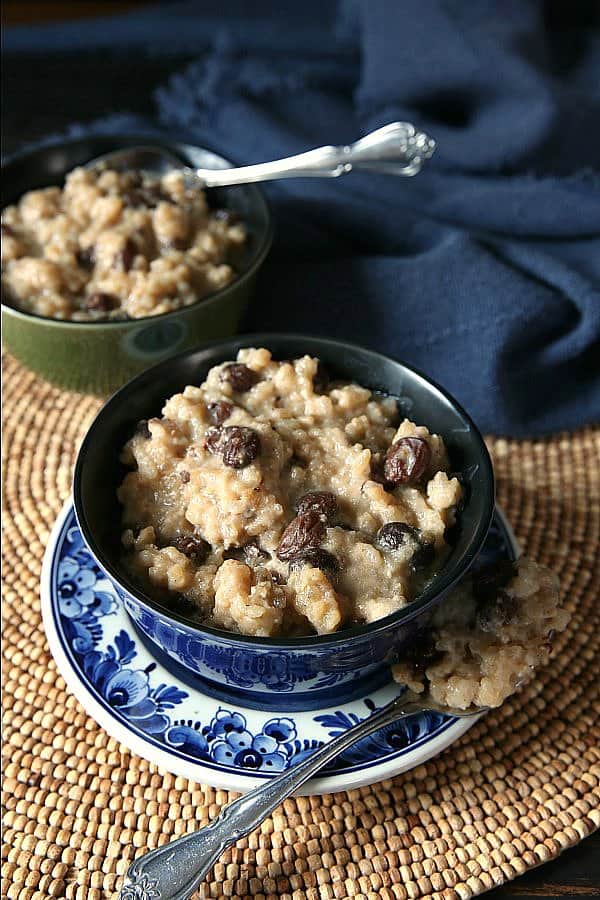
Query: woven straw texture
[520, 787]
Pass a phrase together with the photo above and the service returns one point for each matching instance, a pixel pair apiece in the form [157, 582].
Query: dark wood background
[30, 86]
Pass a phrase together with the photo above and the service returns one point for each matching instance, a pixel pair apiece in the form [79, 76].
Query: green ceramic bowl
[98, 357]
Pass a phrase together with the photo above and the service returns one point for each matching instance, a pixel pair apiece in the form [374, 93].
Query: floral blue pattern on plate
[175, 724]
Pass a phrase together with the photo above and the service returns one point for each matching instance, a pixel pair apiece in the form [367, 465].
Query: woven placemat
[521, 786]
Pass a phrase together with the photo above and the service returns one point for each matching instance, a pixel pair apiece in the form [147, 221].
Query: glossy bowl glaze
[99, 357]
[310, 671]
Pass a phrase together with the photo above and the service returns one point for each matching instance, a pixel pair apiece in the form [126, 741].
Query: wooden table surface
[30, 111]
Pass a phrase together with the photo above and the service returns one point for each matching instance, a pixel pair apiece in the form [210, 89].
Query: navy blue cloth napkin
[484, 270]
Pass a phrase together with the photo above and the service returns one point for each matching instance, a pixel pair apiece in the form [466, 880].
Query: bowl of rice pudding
[282, 514]
[105, 273]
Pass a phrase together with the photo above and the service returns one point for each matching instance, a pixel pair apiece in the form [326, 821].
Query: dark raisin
[489, 580]
[132, 197]
[132, 178]
[126, 256]
[142, 430]
[497, 611]
[192, 546]
[394, 535]
[422, 557]
[406, 460]
[318, 559]
[302, 533]
[86, 257]
[148, 195]
[101, 302]
[377, 473]
[7, 231]
[320, 378]
[422, 651]
[184, 475]
[241, 446]
[229, 216]
[219, 411]
[323, 502]
[239, 376]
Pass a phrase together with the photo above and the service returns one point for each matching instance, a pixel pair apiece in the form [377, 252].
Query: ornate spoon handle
[174, 871]
[396, 149]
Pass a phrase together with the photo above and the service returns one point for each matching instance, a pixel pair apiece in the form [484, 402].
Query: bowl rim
[304, 642]
[266, 238]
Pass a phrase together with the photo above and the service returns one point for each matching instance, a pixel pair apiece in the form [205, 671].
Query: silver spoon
[174, 871]
[395, 149]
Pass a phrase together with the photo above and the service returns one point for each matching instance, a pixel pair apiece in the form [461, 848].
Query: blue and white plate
[170, 721]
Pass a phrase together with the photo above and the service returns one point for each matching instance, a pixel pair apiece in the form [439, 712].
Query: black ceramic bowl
[99, 357]
[309, 670]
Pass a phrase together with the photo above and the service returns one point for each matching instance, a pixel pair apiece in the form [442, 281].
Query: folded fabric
[484, 270]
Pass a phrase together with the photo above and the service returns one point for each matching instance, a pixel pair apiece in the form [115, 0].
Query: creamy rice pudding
[488, 637]
[271, 501]
[115, 245]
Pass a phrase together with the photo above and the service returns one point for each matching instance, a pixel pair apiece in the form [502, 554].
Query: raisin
[184, 475]
[237, 445]
[133, 197]
[394, 535]
[239, 376]
[192, 546]
[148, 195]
[377, 474]
[126, 256]
[320, 378]
[86, 257]
[136, 198]
[142, 430]
[302, 533]
[323, 502]
[489, 580]
[132, 178]
[406, 460]
[495, 612]
[240, 446]
[422, 557]
[228, 216]
[422, 651]
[7, 231]
[101, 302]
[219, 411]
[318, 559]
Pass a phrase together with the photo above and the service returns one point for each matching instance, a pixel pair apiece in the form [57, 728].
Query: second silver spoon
[395, 149]
[174, 871]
